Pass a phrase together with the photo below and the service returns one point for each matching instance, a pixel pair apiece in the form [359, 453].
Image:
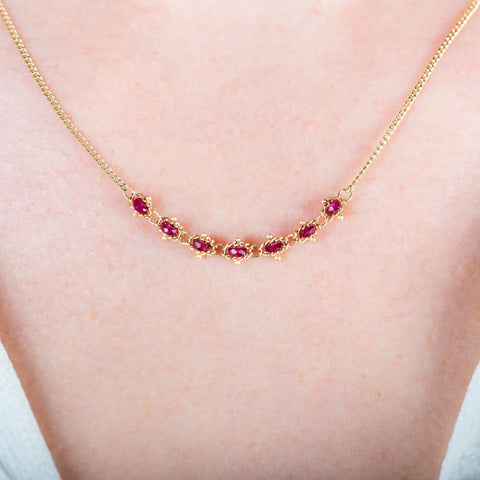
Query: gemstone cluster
[237, 250]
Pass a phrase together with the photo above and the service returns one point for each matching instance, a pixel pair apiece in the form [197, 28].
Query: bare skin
[349, 358]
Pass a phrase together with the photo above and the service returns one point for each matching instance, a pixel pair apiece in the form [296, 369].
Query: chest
[347, 359]
[353, 350]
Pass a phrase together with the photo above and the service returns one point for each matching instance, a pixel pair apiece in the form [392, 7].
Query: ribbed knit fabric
[23, 452]
[462, 461]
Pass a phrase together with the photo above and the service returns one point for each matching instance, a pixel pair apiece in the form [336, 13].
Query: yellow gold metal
[154, 217]
[344, 195]
[219, 249]
[291, 239]
[129, 193]
[256, 250]
[319, 219]
[185, 240]
[342, 192]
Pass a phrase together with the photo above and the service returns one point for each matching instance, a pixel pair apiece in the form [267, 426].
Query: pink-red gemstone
[307, 230]
[237, 251]
[140, 205]
[273, 247]
[333, 207]
[201, 245]
[168, 228]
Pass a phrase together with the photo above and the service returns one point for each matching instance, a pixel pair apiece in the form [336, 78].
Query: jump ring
[129, 193]
[342, 191]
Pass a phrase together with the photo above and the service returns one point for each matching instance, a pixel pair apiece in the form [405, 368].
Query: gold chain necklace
[237, 250]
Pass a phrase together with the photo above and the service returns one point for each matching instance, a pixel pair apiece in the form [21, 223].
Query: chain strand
[273, 246]
[417, 89]
[55, 103]
[116, 179]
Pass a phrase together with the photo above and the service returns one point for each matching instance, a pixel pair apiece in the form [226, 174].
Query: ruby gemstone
[307, 230]
[201, 245]
[140, 206]
[237, 251]
[168, 228]
[273, 247]
[333, 207]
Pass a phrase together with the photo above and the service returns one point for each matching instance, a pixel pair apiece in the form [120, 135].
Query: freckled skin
[348, 359]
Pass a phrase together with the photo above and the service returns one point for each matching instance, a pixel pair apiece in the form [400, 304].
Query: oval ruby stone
[201, 245]
[307, 230]
[273, 247]
[333, 207]
[168, 228]
[236, 251]
[140, 205]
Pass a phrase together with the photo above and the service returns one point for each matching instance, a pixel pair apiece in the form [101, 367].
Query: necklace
[237, 250]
